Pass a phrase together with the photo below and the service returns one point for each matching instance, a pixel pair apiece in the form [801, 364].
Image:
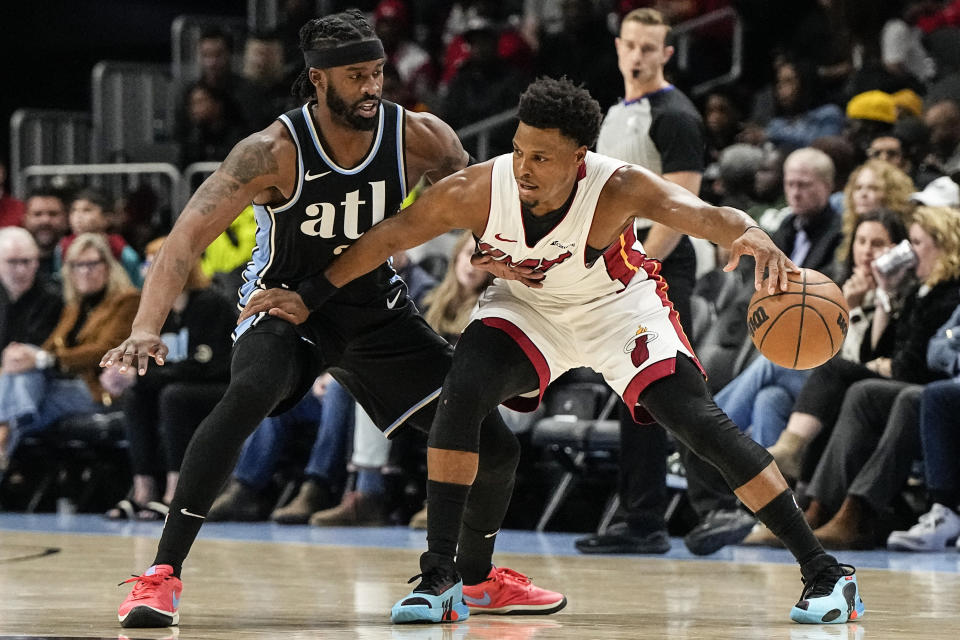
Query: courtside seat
[81, 458]
[578, 431]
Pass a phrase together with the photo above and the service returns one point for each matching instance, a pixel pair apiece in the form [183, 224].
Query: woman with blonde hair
[164, 406]
[449, 305]
[876, 184]
[41, 385]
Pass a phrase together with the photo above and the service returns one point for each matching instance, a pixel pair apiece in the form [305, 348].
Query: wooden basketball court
[58, 578]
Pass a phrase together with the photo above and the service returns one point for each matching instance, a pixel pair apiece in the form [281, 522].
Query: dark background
[49, 47]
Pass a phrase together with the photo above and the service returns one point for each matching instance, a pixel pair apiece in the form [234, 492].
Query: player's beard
[346, 112]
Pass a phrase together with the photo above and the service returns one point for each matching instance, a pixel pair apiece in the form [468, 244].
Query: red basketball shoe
[154, 600]
[507, 592]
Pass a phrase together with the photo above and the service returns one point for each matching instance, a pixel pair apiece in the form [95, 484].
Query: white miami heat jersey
[612, 316]
[561, 253]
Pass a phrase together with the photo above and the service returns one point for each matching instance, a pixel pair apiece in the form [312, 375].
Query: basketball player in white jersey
[583, 294]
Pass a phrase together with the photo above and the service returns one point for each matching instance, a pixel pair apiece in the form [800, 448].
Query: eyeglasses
[21, 262]
[883, 153]
[85, 266]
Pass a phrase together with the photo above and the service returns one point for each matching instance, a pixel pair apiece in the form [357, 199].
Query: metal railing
[165, 178]
[483, 129]
[47, 136]
[132, 106]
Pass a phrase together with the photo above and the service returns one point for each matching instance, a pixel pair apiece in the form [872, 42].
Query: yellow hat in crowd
[873, 105]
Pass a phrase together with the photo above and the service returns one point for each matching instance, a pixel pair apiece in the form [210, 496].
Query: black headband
[349, 53]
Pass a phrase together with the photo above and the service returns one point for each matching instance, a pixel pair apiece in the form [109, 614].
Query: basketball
[802, 327]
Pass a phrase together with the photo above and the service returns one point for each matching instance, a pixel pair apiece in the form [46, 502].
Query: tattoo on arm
[182, 268]
[213, 192]
[250, 160]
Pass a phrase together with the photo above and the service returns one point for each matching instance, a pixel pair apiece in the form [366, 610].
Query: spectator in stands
[30, 304]
[267, 90]
[415, 68]
[901, 46]
[768, 185]
[138, 218]
[868, 457]
[889, 148]
[738, 165]
[940, 446]
[88, 214]
[808, 230]
[869, 114]
[511, 47]
[448, 306]
[214, 69]
[723, 118]
[579, 26]
[902, 326]
[482, 86]
[224, 259]
[212, 126]
[943, 120]
[163, 407]
[797, 120]
[874, 185]
[11, 209]
[46, 219]
[761, 397]
[942, 192]
[40, 385]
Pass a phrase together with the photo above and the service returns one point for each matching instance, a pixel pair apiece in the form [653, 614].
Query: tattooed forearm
[249, 160]
[212, 193]
[182, 267]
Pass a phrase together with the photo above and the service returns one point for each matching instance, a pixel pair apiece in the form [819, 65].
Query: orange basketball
[802, 327]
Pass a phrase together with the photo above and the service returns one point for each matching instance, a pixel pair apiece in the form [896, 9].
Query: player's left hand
[281, 303]
[772, 264]
[499, 269]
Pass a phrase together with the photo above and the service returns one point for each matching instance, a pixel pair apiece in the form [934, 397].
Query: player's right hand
[500, 269]
[136, 351]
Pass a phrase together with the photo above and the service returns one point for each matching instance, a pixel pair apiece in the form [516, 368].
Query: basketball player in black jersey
[319, 177]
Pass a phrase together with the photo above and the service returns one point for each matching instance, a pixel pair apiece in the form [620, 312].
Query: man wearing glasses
[29, 306]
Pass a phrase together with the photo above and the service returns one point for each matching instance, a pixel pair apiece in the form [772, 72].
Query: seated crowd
[851, 170]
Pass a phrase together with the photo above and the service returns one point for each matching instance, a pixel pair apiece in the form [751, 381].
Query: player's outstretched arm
[460, 201]
[646, 195]
[252, 166]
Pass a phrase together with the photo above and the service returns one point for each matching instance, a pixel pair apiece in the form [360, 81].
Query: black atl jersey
[330, 209]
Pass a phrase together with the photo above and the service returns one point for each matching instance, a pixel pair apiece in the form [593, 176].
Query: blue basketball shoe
[438, 597]
[831, 597]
